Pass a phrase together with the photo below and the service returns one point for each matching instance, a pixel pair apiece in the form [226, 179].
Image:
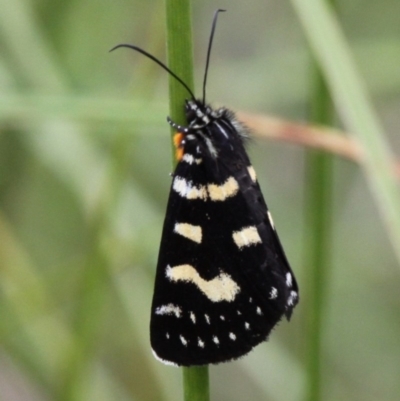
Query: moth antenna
[156, 60]
[214, 24]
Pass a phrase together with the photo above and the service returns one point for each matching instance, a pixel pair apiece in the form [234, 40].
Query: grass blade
[347, 89]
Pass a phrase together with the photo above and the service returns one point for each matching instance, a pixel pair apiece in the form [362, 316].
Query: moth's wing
[259, 253]
[275, 263]
[213, 299]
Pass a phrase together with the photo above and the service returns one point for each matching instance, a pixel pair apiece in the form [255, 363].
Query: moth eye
[190, 115]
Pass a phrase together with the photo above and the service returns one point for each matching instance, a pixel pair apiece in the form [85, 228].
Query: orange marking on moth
[178, 137]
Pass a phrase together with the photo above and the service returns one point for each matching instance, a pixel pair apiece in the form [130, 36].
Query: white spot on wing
[190, 159]
[259, 311]
[167, 335]
[169, 363]
[271, 221]
[207, 318]
[193, 317]
[221, 192]
[169, 309]
[289, 281]
[292, 298]
[232, 336]
[187, 190]
[220, 288]
[189, 231]
[200, 343]
[273, 293]
[222, 317]
[246, 237]
[252, 173]
[247, 325]
[183, 340]
[216, 340]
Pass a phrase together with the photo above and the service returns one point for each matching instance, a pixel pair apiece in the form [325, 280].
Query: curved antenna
[156, 60]
[214, 24]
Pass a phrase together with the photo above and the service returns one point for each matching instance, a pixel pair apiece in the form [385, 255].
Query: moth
[223, 281]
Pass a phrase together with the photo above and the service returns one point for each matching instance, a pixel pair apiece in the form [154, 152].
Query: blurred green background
[84, 163]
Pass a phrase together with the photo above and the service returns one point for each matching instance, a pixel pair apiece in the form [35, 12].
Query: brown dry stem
[318, 137]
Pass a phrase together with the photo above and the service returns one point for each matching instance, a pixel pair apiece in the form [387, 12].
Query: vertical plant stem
[180, 56]
[196, 383]
[318, 228]
[180, 61]
[355, 108]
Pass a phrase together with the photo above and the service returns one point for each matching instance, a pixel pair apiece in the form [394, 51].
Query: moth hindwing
[223, 280]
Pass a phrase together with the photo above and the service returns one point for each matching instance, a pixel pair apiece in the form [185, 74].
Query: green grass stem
[196, 385]
[318, 211]
[354, 106]
[180, 60]
[180, 56]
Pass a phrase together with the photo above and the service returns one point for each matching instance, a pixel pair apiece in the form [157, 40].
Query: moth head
[197, 113]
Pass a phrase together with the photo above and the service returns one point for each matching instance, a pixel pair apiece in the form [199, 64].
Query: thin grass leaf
[354, 106]
[318, 226]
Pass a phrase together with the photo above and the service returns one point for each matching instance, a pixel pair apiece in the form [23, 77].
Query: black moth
[223, 281]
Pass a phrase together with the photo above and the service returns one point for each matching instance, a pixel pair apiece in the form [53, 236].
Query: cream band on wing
[214, 192]
[189, 231]
[246, 237]
[187, 190]
[220, 192]
[220, 288]
[169, 309]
